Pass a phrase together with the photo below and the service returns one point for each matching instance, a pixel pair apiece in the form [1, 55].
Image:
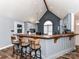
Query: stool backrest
[34, 42]
[14, 39]
[37, 41]
[23, 40]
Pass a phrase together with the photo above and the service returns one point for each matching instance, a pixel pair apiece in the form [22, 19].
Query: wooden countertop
[46, 37]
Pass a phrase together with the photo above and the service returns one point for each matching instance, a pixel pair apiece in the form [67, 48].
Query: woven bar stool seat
[35, 48]
[25, 47]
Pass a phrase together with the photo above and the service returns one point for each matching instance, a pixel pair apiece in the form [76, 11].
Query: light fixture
[37, 21]
[77, 24]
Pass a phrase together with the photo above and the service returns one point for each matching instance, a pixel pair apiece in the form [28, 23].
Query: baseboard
[6, 47]
[58, 54]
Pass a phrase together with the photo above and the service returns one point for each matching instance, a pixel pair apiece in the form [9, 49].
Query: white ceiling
[22, 9]
[62, 7]
[34, 9]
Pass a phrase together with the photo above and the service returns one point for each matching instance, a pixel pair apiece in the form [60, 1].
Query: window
[19, 28]
[48, 26]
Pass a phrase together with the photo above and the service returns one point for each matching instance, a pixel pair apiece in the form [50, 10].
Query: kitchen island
[46, 37]
[53, 46]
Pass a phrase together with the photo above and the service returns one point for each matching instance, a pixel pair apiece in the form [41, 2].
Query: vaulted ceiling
[22, 9]
[62, 7]
[33, 10]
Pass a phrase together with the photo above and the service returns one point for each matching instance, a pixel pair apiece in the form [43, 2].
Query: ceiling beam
[46, 4]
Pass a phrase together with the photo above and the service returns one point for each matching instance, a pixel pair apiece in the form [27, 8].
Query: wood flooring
[7, 54]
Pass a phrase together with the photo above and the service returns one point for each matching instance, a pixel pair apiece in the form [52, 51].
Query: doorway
[48, 28]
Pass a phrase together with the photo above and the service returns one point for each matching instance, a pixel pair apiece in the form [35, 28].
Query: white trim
[72, 22]
[1, 48]
[48, 23]
[60, 53]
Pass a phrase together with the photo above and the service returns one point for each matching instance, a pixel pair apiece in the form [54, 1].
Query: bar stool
[35, 48]
[16, 49]
[25, 47]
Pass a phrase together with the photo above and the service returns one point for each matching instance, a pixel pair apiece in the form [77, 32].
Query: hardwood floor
[71, 55]
[7, 54]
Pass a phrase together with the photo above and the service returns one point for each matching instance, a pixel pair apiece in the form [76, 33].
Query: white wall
[6, 25]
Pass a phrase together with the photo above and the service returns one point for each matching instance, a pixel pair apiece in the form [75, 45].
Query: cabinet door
[18, 27]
